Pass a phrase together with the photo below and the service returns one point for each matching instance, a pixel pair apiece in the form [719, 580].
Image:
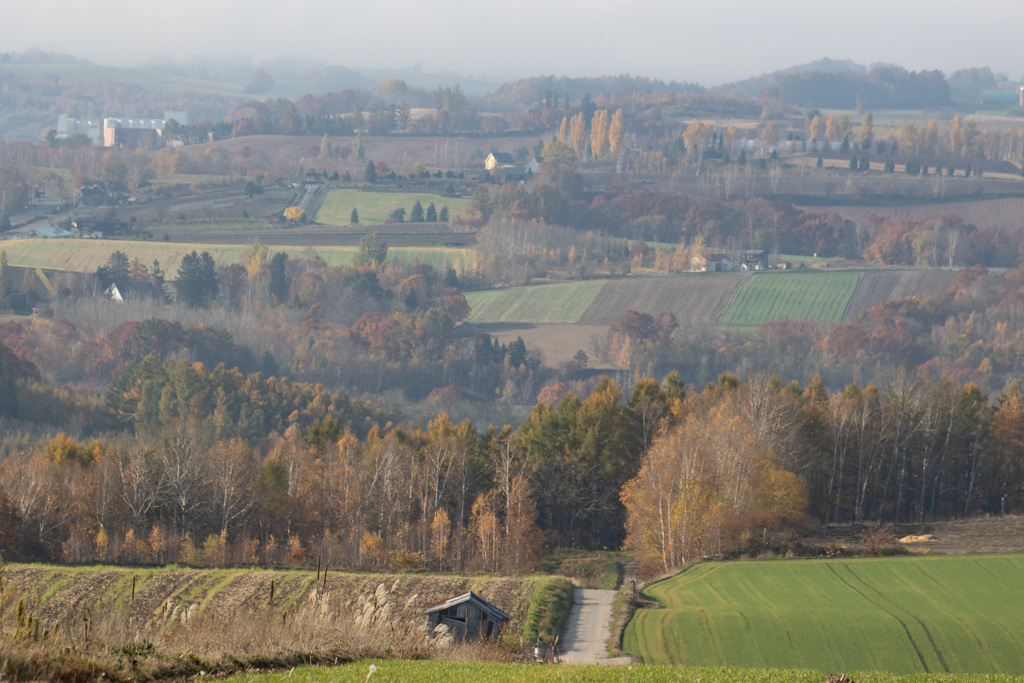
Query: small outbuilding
[467, 616]
[719, 263]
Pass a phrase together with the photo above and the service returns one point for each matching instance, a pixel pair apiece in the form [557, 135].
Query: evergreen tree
[451, 279]
[431, 213]
[277, 280]
[8, 383]
[821, 161]
[197, 283]
[370, 174]
[442, 216]
[354, 218]
[416, 215]
[117, 269]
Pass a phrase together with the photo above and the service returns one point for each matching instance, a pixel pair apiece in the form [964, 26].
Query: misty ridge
[39, 85]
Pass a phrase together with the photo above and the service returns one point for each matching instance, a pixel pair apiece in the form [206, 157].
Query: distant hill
[753, 87]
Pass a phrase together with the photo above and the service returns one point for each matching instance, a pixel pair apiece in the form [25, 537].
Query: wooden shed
[467, 616]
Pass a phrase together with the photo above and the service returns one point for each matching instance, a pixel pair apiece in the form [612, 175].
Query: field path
[587, 629]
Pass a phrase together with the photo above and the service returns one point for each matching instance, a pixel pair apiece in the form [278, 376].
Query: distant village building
[467, 616]
[97, 225]
[503, 167]
[114, 293]
[130, 290]
[133, 133]
[753, 259]
[66, 127]
[50, 233]
[497, 159]
[719, 263]
[121, 132]
[1003, 97]
[94, 195]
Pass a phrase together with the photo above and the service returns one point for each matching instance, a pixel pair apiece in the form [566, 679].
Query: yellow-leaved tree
[616, 133]
[599, 134]
[578, 135]
[697, 476]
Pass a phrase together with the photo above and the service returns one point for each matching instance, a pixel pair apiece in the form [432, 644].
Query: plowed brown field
[885, 285]
[692, 298]
[1005, 213]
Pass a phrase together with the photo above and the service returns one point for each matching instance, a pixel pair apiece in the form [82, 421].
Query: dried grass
[129, 643]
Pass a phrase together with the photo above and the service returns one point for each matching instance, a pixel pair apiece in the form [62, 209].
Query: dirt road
[587, 629]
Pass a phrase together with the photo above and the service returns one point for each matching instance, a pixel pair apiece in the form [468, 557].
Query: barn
[467, 616]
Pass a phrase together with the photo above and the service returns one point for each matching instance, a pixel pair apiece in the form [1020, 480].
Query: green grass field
[375, 207]
[958, 614]
[557, 303]
[85, 256]
[405, 670]
[767, 297]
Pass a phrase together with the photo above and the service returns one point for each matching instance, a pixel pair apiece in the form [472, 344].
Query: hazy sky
[697, 41]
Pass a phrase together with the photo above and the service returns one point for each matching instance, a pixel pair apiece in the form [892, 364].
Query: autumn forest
[235, 365]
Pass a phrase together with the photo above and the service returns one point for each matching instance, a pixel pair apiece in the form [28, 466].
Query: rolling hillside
[560, 318]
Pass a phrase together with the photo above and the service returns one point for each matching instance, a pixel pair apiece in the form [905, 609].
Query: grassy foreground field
[903, 615]
[375, 207]
[85, 256]
[768, 297]
[404, 670]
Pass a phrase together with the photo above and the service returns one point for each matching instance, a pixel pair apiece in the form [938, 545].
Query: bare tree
[183, 468]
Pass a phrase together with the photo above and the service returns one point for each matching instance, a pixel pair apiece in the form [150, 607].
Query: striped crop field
[375, 207]
[767, 297]
[692, 298]
[85, 256]
[563, 302]
[958, 614]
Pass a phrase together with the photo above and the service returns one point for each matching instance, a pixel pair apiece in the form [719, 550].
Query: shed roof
[503, 157]
[493, 611]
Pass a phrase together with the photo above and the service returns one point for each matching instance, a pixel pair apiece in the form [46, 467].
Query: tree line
[669, 472]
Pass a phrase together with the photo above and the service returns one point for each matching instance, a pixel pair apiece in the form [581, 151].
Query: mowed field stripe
[554, 303]
[768, 297]
[901, 615]
[85, 256]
